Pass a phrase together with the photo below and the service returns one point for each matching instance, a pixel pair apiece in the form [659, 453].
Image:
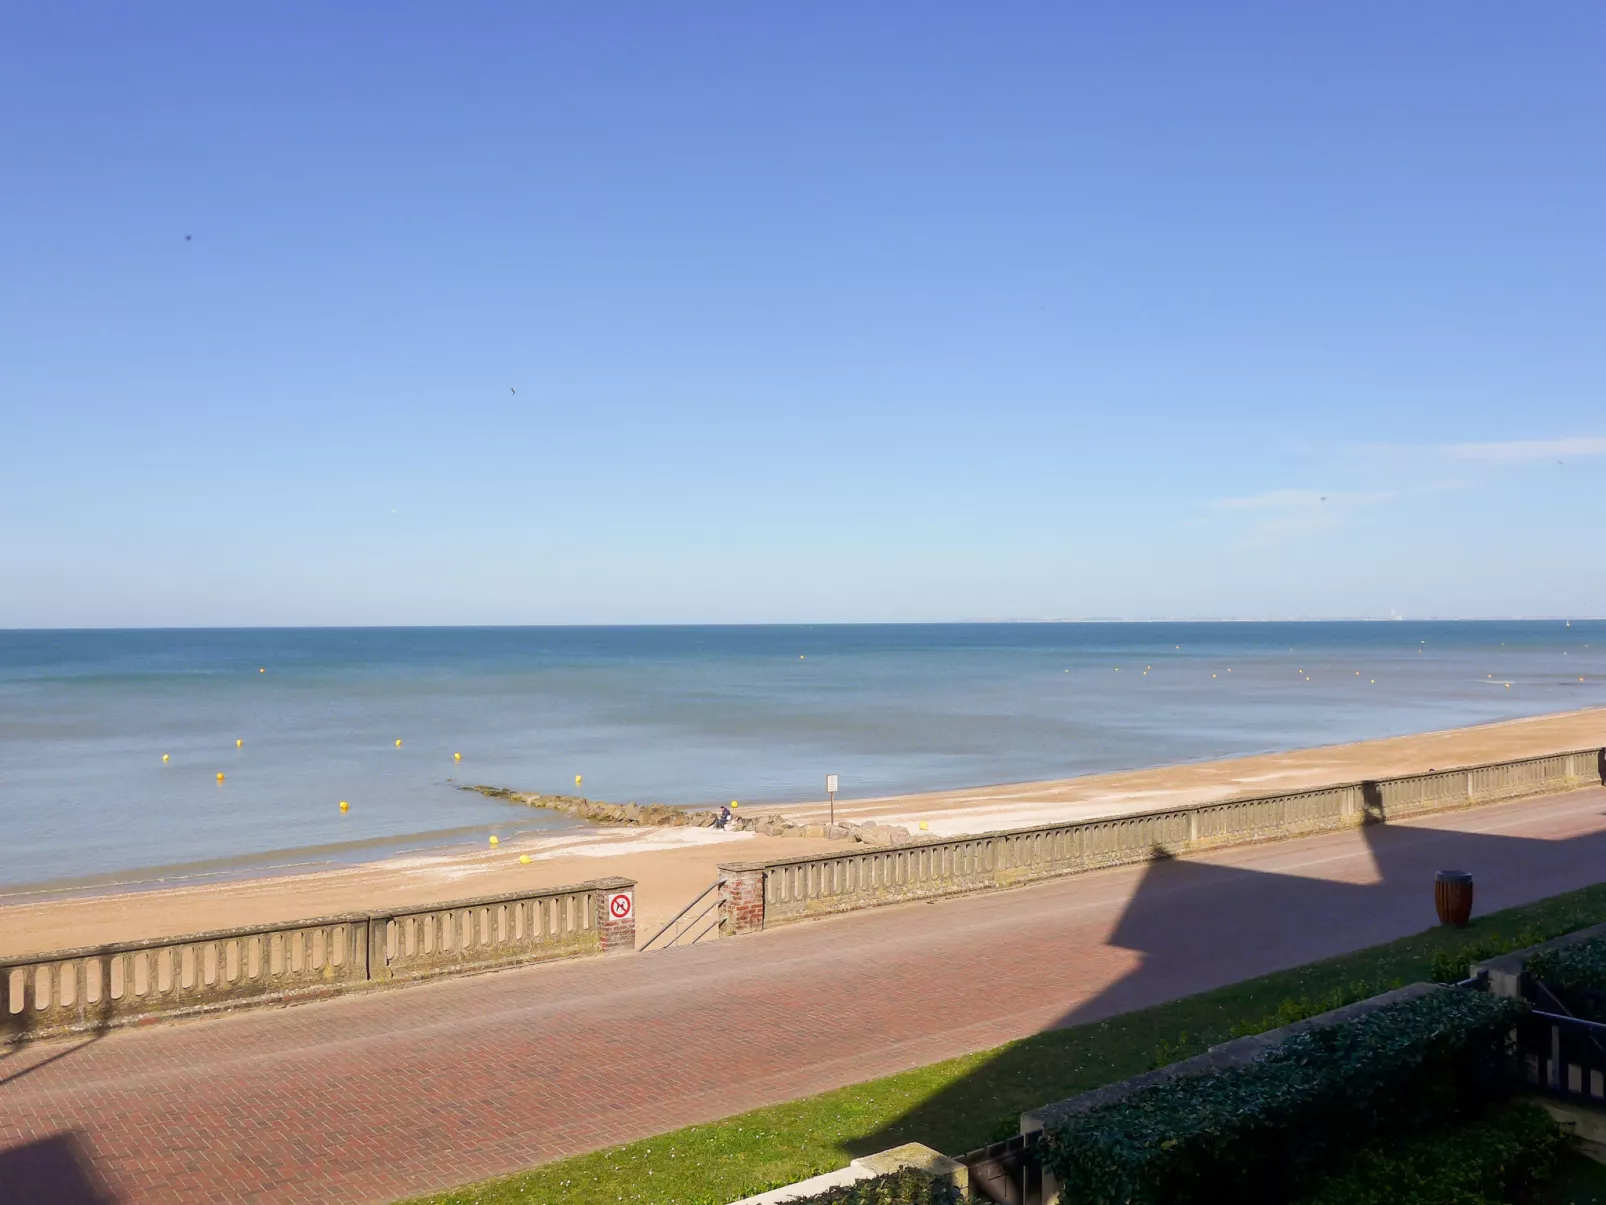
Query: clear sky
[813, 311]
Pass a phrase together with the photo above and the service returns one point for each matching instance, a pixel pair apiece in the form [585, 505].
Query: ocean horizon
[682, 714]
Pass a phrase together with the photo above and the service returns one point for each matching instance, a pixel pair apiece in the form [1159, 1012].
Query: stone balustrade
[479, 934]
[1472, 785]
[756, 895]
[100, 987]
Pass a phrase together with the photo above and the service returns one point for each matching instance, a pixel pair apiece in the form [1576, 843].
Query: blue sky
[814, 312]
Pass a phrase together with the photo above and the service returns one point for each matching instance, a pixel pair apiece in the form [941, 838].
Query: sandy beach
[672, 864]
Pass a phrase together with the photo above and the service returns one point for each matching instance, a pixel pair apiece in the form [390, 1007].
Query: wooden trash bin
[1452, 895]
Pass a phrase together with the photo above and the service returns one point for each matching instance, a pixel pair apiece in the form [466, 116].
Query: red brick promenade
[374, 1097]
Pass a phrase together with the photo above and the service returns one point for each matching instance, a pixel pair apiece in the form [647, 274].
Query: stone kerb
[911, 1156]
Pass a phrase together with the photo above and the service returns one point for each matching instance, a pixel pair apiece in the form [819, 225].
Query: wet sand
[672, 865]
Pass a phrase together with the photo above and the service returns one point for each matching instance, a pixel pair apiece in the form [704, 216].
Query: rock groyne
[660, 815]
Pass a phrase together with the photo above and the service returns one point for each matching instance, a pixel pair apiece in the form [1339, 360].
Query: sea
[159, 756]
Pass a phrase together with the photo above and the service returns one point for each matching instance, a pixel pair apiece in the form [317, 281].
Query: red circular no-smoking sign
[619, 906]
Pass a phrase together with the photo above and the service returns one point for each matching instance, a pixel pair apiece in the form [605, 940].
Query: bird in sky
[512, 390]
[186, 238]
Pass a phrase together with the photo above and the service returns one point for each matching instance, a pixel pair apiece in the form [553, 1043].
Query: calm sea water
[676, 715]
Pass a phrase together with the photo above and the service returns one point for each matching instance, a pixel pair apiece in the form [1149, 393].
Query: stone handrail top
[922, 841]
[155, 943]
[506, 897]
[315, 922]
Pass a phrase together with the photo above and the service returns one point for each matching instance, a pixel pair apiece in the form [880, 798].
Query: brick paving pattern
[374, 1097]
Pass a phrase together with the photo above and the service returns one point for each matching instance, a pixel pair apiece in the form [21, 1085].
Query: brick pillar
[741, 899]
[616, 914]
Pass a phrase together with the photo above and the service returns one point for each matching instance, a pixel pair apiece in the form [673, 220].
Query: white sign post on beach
[830, 791]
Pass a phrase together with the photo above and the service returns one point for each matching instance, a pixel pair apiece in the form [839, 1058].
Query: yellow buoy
[344, 806]
[734, 804]
[220, 775]
[576, 780]
[801, 657]
[495, 840]
[164, 757]
[398, 742]
[525, 858]
[922, 826]
[263, 670]
[238, 742]
[457, 757]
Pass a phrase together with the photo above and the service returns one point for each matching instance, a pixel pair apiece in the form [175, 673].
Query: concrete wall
[97, 988]
[798, 888]
[911, 1156]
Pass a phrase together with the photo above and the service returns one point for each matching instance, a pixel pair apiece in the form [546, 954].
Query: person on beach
[724, 816]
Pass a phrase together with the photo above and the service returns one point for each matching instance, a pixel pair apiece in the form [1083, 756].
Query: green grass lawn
[966, 1102]
[1581, 1182]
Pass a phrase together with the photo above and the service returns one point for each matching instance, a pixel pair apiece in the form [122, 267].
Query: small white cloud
[1293, 500]
[1529, 449]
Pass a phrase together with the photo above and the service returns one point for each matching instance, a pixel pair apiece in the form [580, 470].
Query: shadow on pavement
[54, 1170]
[1199, 925]
[16, 1028]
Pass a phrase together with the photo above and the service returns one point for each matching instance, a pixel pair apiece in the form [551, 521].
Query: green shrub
[1168, 1052]
[1291, 1009]
[1578, 973]
[1501, 1157]
[895, 1188]
[1269, 1127]
[1450, 965]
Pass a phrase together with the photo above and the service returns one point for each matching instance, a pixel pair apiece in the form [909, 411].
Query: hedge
[894, 1188]
[1578, 973]
[1498, 1159]
[1451, 964]
[1269, 1128]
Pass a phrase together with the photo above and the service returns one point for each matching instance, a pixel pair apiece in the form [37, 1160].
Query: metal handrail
[712, 925]
[712, 904]
[1564, 1021]
[701, 895]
